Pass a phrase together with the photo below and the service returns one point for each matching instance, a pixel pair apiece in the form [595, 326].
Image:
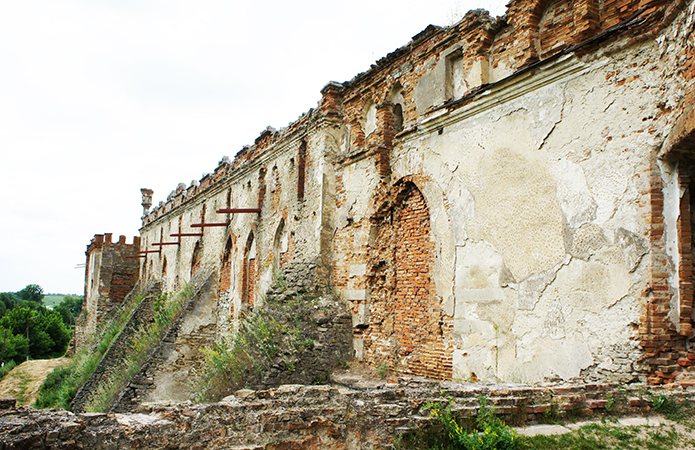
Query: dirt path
[23, 382]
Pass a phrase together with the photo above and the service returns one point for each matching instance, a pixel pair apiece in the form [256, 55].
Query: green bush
[491, 433]
[229, 364]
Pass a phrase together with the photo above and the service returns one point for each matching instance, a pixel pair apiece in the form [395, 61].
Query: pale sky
[101, 98]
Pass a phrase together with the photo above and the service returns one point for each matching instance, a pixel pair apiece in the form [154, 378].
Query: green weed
[167, 309]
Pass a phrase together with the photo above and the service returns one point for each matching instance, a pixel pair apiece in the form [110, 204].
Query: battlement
[100, 240]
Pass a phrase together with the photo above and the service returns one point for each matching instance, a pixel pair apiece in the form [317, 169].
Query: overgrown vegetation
[229, 364]
[487, 432]
[448, 432]
[167, 308]
[610, 436]
[272, 335]
[62, 384]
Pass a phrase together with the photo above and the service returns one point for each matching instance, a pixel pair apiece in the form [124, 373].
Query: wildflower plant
[491, 432]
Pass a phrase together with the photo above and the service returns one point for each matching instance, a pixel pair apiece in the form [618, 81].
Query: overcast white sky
[100, 98]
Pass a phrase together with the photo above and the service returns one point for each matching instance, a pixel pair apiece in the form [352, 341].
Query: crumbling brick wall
[112, 270]
[310, 417]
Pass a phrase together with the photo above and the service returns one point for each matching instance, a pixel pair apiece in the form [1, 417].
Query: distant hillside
[50, 301]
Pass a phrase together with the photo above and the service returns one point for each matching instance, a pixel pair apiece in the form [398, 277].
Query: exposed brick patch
[248, 275]
[664, 342]
[196, 259]
[406, 330]
[301, 170]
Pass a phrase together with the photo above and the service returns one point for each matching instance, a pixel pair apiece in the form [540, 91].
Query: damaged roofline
[601, 37]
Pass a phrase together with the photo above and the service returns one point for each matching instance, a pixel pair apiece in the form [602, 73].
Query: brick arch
[667, 328]
[406, 329]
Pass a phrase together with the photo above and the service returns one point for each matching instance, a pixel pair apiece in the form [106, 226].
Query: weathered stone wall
[538, 189]
[307, 417]
[502, 199]
[327, 327]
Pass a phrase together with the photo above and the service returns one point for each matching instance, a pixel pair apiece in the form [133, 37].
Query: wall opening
[301, 168]
[196, 258]
[248, 276]
[455, 80]
[279, 245]
[397, 118]
[261, 186]
[226, 267]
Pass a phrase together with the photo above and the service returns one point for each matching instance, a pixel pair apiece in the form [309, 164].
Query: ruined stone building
[501, 199]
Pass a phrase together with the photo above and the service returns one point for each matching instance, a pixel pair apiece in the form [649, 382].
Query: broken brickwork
[501, 199]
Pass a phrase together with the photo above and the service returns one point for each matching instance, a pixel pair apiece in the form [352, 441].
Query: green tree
[15, 346]
[69, 308]
[9, 300]
[32, 292]
[54, 327]
[48, 336]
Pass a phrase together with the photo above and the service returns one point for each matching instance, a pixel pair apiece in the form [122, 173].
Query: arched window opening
[402, 332]
[280, 245]
[396, 98]
[301, 167]
[261, 186]
[248, 277]
[397, 118]
[196, 258]
[226, 271]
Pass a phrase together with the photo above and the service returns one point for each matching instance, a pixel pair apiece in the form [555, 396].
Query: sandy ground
[23, 382]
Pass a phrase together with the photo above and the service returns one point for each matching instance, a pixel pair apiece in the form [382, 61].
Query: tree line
[30, 330]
